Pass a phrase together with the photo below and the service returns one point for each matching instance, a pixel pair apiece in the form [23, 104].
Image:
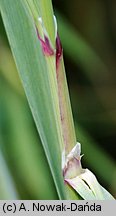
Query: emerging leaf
[83, 180]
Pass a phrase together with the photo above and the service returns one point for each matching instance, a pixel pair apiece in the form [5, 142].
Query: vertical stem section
[48, 20]
[65, 109]
[53, 84]
[57, 76]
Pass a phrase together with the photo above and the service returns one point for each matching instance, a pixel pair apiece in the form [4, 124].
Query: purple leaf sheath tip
[48, 50]
[59, 50]
[45, 44]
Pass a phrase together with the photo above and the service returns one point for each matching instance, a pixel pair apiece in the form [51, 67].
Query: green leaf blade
[33, 72]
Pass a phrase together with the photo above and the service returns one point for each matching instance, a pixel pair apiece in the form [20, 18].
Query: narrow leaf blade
[33, 72]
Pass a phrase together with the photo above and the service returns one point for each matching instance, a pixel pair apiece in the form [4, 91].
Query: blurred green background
[88, 34]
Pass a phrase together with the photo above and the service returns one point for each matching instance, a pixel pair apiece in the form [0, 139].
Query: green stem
[65, 109]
